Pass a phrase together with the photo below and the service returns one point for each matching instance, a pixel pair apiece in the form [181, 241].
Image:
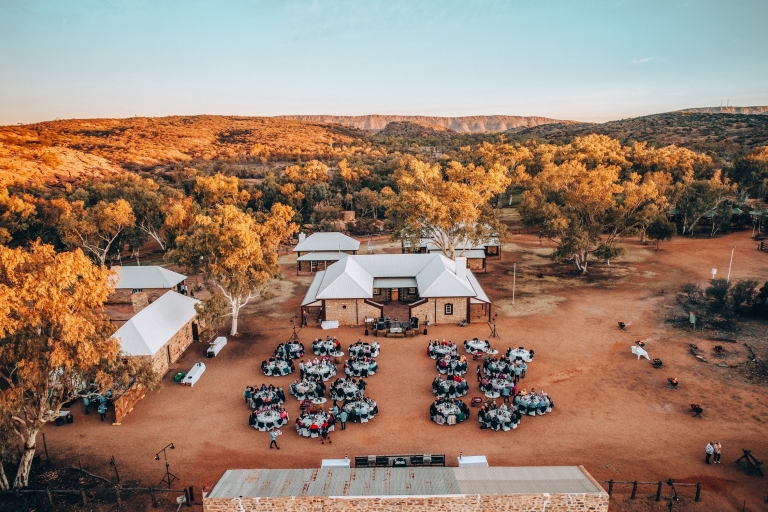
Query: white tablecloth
[478, 461]
[330, 324]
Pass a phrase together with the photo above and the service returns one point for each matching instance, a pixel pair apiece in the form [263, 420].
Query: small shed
[152, 280]
[319, 250]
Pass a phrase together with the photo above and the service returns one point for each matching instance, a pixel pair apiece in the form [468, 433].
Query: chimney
[461, 267]
[302, 237]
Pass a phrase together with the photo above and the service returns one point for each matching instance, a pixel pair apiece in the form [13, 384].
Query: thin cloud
[644, 60]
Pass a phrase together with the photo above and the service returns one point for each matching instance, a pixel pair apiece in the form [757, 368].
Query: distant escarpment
[466, 124]
[750, 111]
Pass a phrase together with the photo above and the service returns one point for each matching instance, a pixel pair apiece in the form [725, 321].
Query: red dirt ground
[614, 414]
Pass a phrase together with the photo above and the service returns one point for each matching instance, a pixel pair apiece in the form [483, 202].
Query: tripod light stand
[169, 477]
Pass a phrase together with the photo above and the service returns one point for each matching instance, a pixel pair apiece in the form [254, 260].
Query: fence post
[698, 492]
[610, 487]
[186, 498]
[50, 498]
[45, 447]
[154, 499]
[192, 493]
[117, 495]
[658, 491]
[634, 490]
[82, 494]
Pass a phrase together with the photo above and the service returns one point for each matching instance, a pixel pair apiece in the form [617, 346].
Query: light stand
[295, 336]
[492, 324]
[169, 477]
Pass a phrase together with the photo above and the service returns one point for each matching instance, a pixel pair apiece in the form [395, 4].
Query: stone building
[476, 254]
[429, 287]
[149, 283]
[320, 250]
[162, 331]
[443, 489]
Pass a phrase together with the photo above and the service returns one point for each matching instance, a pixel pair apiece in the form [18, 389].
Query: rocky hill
[726, 134]
[65, 151]
[467, 124]
[753, 111]
[415, 130]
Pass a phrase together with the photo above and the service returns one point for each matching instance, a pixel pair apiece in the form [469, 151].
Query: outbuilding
[318, 251]
[152, 281]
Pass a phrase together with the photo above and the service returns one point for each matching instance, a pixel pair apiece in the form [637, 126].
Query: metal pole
[610, 487]
[728, 279]
[698, 492]
[514, 280]
[658, 491]
[634, 490]
[45, 447]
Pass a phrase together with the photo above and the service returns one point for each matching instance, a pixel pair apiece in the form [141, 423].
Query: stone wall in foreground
[467, 503]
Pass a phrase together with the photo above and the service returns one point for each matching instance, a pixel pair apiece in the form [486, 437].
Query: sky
[583, 60]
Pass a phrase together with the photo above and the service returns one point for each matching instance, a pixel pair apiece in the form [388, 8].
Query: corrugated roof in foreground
[412, 481]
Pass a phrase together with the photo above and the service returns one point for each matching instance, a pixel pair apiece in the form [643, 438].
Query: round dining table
[277, 368]
[324, 370]
[268, 420]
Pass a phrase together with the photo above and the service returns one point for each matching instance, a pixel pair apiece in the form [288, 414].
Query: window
[411, 291]
[449, 309]
[377, 291]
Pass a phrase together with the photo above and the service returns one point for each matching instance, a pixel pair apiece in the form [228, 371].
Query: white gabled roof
[147, 277]
[322, 256]
[354, 277]
[327, 242]
[346, 279]
[152, 327]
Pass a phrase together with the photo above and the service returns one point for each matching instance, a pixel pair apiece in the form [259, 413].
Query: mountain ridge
[461, 124]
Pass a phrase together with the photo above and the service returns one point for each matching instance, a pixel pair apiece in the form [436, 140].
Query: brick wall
[177, 345]
[139, 301]
[475, 503]
[349, 311]
[427, 310]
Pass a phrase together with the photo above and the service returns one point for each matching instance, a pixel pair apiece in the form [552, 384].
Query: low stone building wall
[434, 309]
[475, 263]
[350, 311]
[174, 349]
[460, 503]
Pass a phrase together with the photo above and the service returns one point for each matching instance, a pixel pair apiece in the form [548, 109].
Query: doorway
[394, 294]
[195, 333]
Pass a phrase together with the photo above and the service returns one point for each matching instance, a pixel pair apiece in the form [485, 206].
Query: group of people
[360, 366]
[361, 349]
[346, 389]
[359, 408]
[328, 346]
[268, 417]
[277, 366]
[323, 368]
[448, 411]
[533, 402]
[504, 417]
[438, 349]
[503, 368]
[494, 387]
[476, 345]
[453, 386]
[290, 350]
[315, 423]
[454, 365]
[309, 388]
[256, 396]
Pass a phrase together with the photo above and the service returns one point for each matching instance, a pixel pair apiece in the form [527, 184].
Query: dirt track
[614, 414]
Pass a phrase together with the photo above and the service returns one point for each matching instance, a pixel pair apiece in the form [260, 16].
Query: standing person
[518, 370]
[709, 450]
[343, 419]
[478, 373]
[102, 411]
[505, 393]
[87, 404]
[717, 447]
[523, 367]
[273, 439]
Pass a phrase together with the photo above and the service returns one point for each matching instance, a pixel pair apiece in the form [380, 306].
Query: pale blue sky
[585, 60]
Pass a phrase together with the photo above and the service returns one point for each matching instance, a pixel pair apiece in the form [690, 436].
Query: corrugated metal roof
[311, 295]
[322, 256]
[479, 292]
[346, 279]
[152, 276]
[327, 242]
[394, 282]
[353, 277]
[413, 481]
[153, 326]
